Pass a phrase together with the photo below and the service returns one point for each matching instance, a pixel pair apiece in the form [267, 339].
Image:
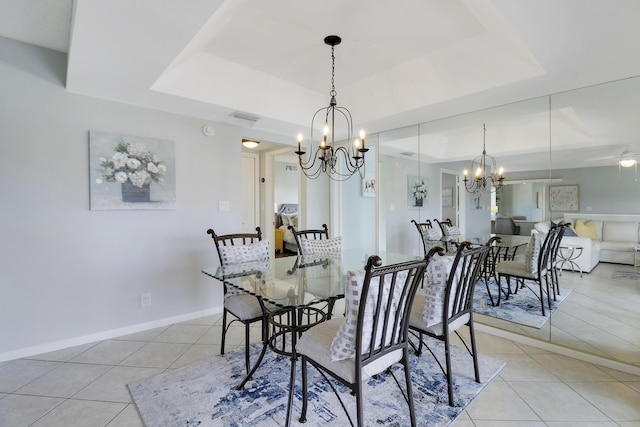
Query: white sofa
[618, 234]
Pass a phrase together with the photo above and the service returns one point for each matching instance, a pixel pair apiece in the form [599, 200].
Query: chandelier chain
[333, 72]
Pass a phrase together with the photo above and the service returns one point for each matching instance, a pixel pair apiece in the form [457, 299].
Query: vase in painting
[134, 194]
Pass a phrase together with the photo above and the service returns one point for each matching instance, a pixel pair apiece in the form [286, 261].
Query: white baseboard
[555, 348]
[104, 335]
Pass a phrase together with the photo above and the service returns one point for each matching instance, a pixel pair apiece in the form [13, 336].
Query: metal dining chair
[535, 268]
[317, 234]
[455, 311]
[247, 309]
[374, 332]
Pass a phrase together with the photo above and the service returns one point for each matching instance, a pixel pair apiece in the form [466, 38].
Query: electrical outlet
[145, 300]
[223, 206]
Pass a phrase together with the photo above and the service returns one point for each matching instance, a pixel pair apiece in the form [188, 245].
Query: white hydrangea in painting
[133, 163]
[131, 172]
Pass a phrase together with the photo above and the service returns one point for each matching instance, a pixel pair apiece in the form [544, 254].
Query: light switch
[223, 206]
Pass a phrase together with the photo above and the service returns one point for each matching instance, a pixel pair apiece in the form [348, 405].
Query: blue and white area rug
[203, 394]
[522, 308]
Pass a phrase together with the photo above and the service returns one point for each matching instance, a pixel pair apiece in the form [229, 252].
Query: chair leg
[224, 329]
[303, 412]
[486, 284]
[555, 272]
[359, 411]
[419, 350]
[499, 282]
[447, 356]
[509, 286]
[407, 376]
[541, 295]
[247, 345]
[474, 350]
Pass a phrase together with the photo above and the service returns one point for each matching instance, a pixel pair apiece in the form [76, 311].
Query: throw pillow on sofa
[542, 227]
[569, 231]
[586, 229]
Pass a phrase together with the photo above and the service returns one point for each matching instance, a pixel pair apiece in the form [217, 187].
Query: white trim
[558, 349]
[256, 190]
[105, 335]
[529, 181]
[459, 203]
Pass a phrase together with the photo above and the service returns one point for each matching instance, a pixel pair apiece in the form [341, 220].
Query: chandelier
[484, 168]
[339, 163]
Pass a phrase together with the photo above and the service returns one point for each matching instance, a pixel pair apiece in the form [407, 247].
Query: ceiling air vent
[245, 116]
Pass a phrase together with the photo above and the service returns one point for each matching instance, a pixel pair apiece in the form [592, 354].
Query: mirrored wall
[575, 138]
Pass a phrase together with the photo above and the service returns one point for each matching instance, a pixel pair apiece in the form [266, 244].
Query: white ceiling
[400, 63]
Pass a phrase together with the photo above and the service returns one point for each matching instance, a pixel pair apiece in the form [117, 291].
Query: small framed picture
[417, 191]
[447, 197]
[369, 186]
[564, 198]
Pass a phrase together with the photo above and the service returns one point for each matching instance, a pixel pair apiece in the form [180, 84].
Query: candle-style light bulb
[465, 174]
[362, 138]
[501, 172]
[325, 131]
[478, 173]
[299, 142]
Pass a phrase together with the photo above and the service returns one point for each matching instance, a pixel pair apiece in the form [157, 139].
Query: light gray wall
[69, 273]
[602, 190]
[285, 184]
[401, 234]
[359, 212]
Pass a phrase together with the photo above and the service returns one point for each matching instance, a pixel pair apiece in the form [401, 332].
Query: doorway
[450, 200]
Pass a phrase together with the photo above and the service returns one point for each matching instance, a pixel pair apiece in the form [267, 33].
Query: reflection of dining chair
[319, 234]
[449, 244]
[439, 320]
[489, 270]
[506, 225]
[535, 267]
[371, 338]
[553, 259]
[428, 235]
[246, 309]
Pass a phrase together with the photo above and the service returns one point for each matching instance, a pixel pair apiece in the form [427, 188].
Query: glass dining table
[503, 249]
[296, 293]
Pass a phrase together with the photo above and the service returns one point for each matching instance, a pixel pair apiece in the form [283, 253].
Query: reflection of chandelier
[484, 169]
[327, 156]
[627, 159]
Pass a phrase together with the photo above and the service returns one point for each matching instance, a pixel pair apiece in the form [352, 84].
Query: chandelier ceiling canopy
[342, 162]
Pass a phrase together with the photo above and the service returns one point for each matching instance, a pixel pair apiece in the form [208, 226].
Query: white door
[250, 192]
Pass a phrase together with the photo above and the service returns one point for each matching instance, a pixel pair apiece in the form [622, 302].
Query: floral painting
[131, 172]
[417, 191]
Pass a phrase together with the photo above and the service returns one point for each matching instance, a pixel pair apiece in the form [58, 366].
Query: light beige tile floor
[86, 385]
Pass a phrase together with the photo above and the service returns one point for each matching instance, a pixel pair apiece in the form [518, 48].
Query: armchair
[506, 225]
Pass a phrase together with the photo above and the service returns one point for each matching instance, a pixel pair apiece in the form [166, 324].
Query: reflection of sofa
[617, 236]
